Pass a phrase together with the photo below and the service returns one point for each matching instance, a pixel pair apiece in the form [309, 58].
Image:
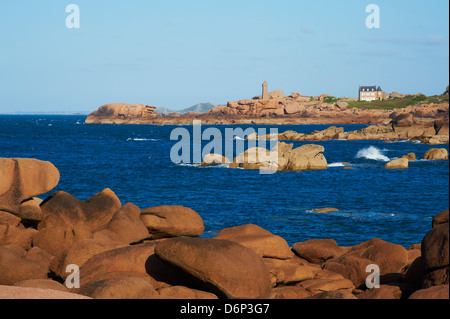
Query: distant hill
[199, 108]
[163, 110]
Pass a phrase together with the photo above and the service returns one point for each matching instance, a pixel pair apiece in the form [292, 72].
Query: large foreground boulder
[435, 247]
[222, 267]
[290, 271]
[135, 261]
[12, 231]
[389, 257]
[42, 284]
[10, 292]
[22, 179]
[440, 219]
[261, 241]
[125, 226]
[318, 250]
[64, 210]
[351, 267]
[435, 253]
[15, 268]
[431, 267]
[80, 252]
[68, 220]
[54, 240]
[172, 221]
[432, 293]
[119, 288]
[317, 286]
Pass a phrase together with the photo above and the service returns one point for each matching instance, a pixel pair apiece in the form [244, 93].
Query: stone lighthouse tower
[264, 90]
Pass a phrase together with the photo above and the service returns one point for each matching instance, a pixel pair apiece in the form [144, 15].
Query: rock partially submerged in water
[410, 156]
[436, 154]
[283, 158]
[214, 159]
[325, 210]
[398, 164]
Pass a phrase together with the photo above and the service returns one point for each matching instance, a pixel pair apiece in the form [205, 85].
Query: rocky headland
[278, 109]
[127, 252]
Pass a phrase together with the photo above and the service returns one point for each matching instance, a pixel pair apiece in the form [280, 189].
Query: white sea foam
[141, 139]
[372, 153]
[203, 167]
[336, 165]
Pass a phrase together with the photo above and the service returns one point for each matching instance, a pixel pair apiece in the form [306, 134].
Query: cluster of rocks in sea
[401, 126]
[125, 252]
[283, 157]
[431, 154]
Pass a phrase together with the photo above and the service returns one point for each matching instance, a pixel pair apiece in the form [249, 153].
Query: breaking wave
[372, 153]
[141, 139]
[336, 164]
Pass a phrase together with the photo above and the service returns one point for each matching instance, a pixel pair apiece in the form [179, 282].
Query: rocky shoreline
[428, 124]
[403, 126]
[120, 113]
[126, 252]
[278, 109]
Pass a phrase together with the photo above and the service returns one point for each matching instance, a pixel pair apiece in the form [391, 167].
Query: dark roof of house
[369, 88]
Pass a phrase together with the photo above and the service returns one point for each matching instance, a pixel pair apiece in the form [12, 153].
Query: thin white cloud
[379, 53]
[308, 30]
[336, 45]
[428, 40]
[280, 39]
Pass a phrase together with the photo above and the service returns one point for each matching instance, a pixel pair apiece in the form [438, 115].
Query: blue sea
[134, 161]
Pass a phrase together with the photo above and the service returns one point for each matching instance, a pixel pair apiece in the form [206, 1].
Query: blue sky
[176, 53]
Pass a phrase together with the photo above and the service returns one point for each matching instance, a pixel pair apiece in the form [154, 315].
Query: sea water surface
[134, 161]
